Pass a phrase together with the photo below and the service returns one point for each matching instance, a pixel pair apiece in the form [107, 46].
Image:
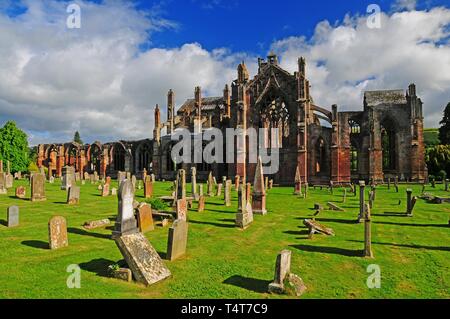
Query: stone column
[362, 185]
[194, 182]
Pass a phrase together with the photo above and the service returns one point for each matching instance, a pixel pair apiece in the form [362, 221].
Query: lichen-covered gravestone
[38, 187]
[13, 216]
[181, 209]
[244, 216]
[57, 232]
[201, 204]
[285, 281]
[73, 195]
[148, 187]
[20, 191]
[126, 222]
[177, 241]
[68, 177]
[145, 218]
[227, 193]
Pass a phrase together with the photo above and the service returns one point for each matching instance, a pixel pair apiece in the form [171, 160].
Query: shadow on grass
[220, 211]
[36, 244]
[442, 248]
[335, 220]
[228, 220]
[77, 231]
[3, 222]
[18, 198]
[296, 232]
[212, 224]
[392, 214]
[98, 266]
[253, 284]
[61, 203]
[415, 225]
[330, 250]
[162, 254]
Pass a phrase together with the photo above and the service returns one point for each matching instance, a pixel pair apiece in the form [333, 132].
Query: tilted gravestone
[143, 260]
[259, 191]
[145, 218]
[177, 241]
[38, 187]
[126, 222]
[73, 195]
[57, 232]
[334, 207]
[13, 216]
[21, 191]
[96, 223]
[315, 227]
[285, 281]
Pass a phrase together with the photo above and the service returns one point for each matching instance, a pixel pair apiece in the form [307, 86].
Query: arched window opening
[355, 131]
[119, 158]
[95, 156]
[275, 115]
[320, 156]
[388, 147]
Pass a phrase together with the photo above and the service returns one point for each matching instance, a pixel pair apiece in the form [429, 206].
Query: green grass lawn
[224, 262]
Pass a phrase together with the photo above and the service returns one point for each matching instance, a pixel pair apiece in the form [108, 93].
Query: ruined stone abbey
[383, 140]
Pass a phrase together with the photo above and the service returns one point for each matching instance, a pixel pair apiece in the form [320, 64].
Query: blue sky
[105, 78]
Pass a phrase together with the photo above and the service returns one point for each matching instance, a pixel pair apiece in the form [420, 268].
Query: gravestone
[334, 207]
[57, 232]
[194, 182]
[181, 184]
[374, 191]
[210, 185]
[108, 180]
[182, 209]
[51, 180]
[77, 176]
[344, 195]
[446, 184]
[13, 216]
[38, 188]
[219, 190]
[248, 191]
[331, 187]
[73, 195]
[227, 193]
[9, 181]
[317, 206]
[284, 281]
[237, 182]
[270, 183]
[113, 191]
[410, 202]
[96, 223]
[133, 181]
[177, 241]
[201, 204]
[315, 227]
[259, 192]
[244, 217]
[148, 187]
[266, 183]
[3, 189]
[362, 185]
[143, 260]
[21, 191]
[433, 183]
[145, 218]
[68, 177]
[86, 176]
[121, 176]
[105, 190]
[297, 182]
[200, 189]
[126, 222]
[367, 233]
[371, 196]
[153, 177]
[389, 183]
[306, 190]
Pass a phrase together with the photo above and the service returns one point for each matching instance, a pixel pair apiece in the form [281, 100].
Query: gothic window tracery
[275, 115]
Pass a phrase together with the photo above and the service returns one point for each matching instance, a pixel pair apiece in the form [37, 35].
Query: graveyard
[225, 261]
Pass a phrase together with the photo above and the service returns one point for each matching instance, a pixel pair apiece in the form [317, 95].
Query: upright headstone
[73, 195]
[13, 216]
[243, 216]
[446, 184]
[248, 191]
[38, 188]
[200, 189]
[181, 184]
[148, 187]
[306, 190]
[177, 241]
[362, 185]
[270, 183]
[227, 193]
[371, 196]
[194, 182]
[86, 176]
[367, 233]
[182, 209]
[9, 181]
[145, 218]
[201, 204]
[57, 232]
[219, 190]
[105, 190]
[126, 222]
[3, 189]
[133, 181]
[237, 182]
[259, 192]
[297, 182]
[283, 275]
[409, 201]
[121, 176]
[113, 191]
[266, 183]
[344, 195]
[68, 177]
[210, 185]
[389, 183]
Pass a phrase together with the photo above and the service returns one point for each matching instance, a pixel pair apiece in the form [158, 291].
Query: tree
[77, 138]
[14, 147]
[438, 160]
[444, 130]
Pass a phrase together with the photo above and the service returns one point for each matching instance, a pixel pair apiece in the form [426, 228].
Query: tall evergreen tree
[14, 147]
[77, 138]
[444, 130]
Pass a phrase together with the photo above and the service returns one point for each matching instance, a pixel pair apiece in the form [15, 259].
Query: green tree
[14, 147]
[77, 138]
[438, 160]
[444, 130]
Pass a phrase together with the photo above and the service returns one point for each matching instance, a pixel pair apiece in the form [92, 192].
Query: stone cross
[298, 182]
[148, 187]
[194, 182]
[57, 232]
[73, 195]
[13, 216]
[126, 222]
[38, 188]
[259, 192]
[362, 185]
[227, 193]
[177, 241]
[145, 218]
[367, 233]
